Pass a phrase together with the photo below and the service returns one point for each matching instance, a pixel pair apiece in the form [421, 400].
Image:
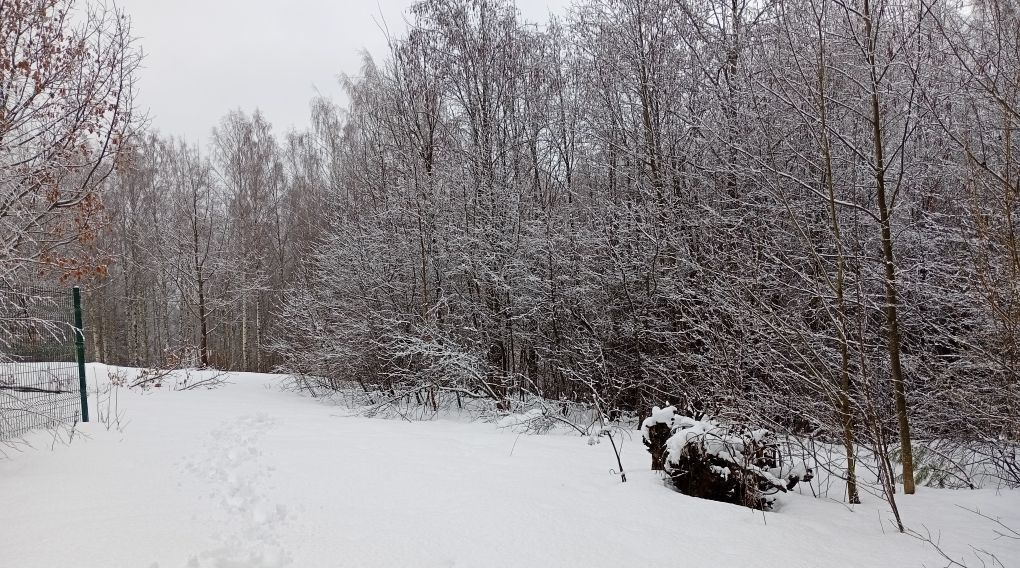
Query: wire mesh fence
[40, 380]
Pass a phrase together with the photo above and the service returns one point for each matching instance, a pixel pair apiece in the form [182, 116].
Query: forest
[802, 215]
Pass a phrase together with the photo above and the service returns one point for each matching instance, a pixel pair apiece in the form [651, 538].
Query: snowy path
[248, 476]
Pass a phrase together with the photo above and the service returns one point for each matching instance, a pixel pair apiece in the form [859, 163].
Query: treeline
[200, 246]
[800, 214]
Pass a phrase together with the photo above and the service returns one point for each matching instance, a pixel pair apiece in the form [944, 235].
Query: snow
[714, 438]
[659, 416]
[251, 476]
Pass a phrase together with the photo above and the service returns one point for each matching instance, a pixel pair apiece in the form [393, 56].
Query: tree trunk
[891, 296]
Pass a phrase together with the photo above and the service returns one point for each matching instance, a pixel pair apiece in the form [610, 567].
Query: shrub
[707, 459]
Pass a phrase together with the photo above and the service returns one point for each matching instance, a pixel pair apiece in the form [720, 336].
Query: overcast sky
[206, 57]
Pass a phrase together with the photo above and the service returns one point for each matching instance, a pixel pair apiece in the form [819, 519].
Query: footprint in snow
[230, 467]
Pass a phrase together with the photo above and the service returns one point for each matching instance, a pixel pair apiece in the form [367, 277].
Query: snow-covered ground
[251, 476]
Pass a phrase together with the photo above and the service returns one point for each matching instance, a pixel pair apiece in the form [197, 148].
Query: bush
[729, 463]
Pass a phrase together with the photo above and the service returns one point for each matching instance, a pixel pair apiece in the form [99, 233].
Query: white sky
[206, 57]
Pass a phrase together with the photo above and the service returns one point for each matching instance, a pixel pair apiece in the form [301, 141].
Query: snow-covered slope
[250, 476]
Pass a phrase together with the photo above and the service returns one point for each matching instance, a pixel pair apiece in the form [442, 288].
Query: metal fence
[42, 359]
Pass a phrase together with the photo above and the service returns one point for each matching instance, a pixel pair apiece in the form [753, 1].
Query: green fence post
[79, 347]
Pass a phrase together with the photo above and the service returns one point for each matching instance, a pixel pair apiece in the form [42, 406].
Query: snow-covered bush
[707, 459]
